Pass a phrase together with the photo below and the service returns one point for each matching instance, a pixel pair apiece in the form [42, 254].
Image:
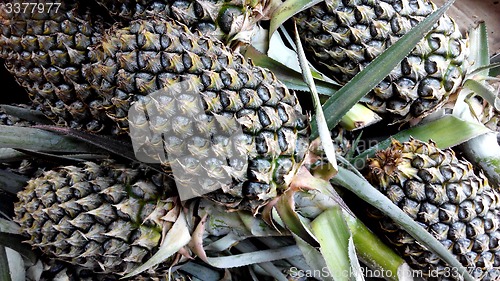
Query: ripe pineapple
[44, 51]
[446, 197]
[228, 99]
[105, 217]
[220, 18]
[342, 37]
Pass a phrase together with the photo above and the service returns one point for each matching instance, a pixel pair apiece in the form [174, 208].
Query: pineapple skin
[223, 19]
[45, 51]
[229, 93]
[448, 199]
[343, 37]
[104, 217]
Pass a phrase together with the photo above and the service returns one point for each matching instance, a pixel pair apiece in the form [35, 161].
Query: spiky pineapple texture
[447, 198]
[105, 217]
[223, 19]
[226, 94]
[341, 37]
[44, 51]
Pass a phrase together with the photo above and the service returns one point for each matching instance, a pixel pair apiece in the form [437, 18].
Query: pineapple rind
[225, 99]
[89, 216]
[447, 198]
[44, 52]
[343, 37]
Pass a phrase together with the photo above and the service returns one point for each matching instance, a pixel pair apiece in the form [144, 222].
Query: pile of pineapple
[169, 140]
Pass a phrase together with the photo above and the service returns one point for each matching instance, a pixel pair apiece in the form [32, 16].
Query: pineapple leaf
[483, 151]
[269, 267]
[494, 60]
[478, 50]
[254, 257]
[25, 114]
[16, 265]
[40, 140]
[116, 147]
[323, 131]
[333, 235]
[8, 226]
[446, 132]
[493, 66]
[364, 190]
[4, 265]
[313, 258]
[358, 117]
[15, 242]
[484, 92]
[286, 11]
[11, 182]
[63, 159]
[374, 252]
[288, 215]
[291, 78]
[340, 103]
[200, 271]
[10, 155]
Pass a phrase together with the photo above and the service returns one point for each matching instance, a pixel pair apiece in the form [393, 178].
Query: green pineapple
[223, 19]
[446, 197]
[342, 37]
[104, 217]
[44, 51]
[226, 102]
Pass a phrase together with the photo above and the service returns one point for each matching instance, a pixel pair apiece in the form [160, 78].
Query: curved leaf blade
[287, 10]
[364, 190]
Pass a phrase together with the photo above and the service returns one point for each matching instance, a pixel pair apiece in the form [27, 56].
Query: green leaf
[480, 89]
[268, 267]
[10, 155]
[287, 10]
[15, 242]
[291, 219]
[340, 103]
[201, 272]
[314, 258]
[40, 140]
[484, 151]
[261, 256]
[4, 265]
[364, 190]
[358, 117]
[11, 182]
[478, 48]
[446, 132]
[494, 60]
[372, 251]
[324, 133]
[333, 235]
[25, 114]
[291, 78]
[16, 265]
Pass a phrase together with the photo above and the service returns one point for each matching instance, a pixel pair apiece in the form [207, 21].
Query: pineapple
[446, 197]
[223, 19]
[342, 37]
[44, 51]
[104, 217]
[255, 125]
